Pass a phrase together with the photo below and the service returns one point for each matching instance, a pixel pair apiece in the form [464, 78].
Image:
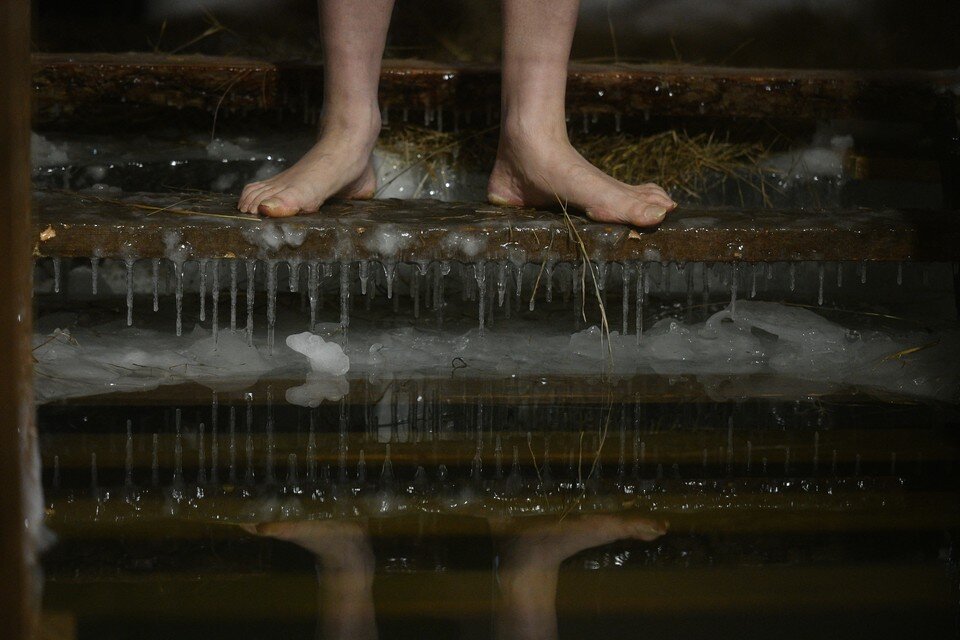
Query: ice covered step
[192, 226]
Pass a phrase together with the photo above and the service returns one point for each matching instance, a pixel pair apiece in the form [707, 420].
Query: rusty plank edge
[393, 231]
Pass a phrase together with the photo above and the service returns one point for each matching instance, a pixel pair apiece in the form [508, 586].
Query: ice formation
[325, 357]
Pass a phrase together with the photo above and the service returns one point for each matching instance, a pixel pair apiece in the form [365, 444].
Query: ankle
[521, 131]
[355, 124]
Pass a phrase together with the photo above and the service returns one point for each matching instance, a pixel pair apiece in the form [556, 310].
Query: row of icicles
[427, 283]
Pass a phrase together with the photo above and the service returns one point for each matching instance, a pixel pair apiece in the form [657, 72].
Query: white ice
[325, 357]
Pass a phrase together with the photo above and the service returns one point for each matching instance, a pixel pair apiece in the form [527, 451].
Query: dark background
[785, 33]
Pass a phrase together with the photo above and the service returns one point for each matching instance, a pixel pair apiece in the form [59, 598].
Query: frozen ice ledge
[192, 226]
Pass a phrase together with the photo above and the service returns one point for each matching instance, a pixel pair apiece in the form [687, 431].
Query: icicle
[498, 459]
[388, 481]
[863, 273]
[293, 279]
[178, 274]
[364, 274]
[515, 479]
[793, 276]
[480, 271]
[415, 293]
[617, 121]
[95, 274]
[251, 281]
[625, 297]
[899, 273]
[839, 275]
[734, 281]
[56, 275]
[501, 282]
[233, 295]
[313, 283]
[128, 458]
[548, 274]
[271, 301]
[389, 274]
[155, 461]
[753, 281]
[641, 293]
[518, 293]
[215, 302]
[344, 294]
[820, 274]
[129, 263]
[203, 289]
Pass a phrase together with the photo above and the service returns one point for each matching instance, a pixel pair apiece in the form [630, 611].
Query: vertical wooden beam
[19, 488]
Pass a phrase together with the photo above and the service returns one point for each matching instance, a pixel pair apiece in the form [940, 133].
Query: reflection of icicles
[178, 274]
[95, 274]
[155, 460]
[839, 275]
[271, 301]
[863, 273]
[201, 457]
[232, 448]
[233, 295]
[498, 459]
[753, 281]
[251, 273]
[415, 293]
[215, 300]
[641, 293]
[56, 275]
[128, 458]
[793, 276]
[820, 274]
[899, 273]
[344, 294]
[480, 271]
[129, 264]
[203, 289]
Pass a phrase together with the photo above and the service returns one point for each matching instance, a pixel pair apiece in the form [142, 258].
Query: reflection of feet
[338, 165]
[542, 169]
[547, 544]
[530, 555]
[339, 545]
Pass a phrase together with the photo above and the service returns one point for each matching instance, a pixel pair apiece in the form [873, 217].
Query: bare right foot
[339, 164]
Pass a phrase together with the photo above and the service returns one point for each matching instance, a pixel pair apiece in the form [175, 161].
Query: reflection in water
[527, 565]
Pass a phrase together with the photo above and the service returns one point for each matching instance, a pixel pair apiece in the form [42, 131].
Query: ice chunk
[325, 357]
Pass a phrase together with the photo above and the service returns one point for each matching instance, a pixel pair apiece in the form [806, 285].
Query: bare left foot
[538, 167]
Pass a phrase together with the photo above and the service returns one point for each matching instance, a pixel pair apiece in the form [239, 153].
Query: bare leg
[531, 553]
[346, 573]
[536, 166]
[354, 35]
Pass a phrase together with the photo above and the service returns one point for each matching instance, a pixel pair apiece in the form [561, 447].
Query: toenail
[657, 213]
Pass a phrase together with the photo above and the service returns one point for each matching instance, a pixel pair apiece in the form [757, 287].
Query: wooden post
[18, 479]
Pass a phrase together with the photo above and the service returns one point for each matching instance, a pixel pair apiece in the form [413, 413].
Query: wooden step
[137, 226]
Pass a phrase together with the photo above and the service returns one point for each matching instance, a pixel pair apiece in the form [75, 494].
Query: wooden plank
[392, 231]
[64, 83]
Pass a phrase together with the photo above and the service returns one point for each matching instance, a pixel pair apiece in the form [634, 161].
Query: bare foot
[339, 545]
[541, 169]
[339, 164]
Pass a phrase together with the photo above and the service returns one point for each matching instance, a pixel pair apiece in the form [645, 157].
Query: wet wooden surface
[64, 82]
[134, 226]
